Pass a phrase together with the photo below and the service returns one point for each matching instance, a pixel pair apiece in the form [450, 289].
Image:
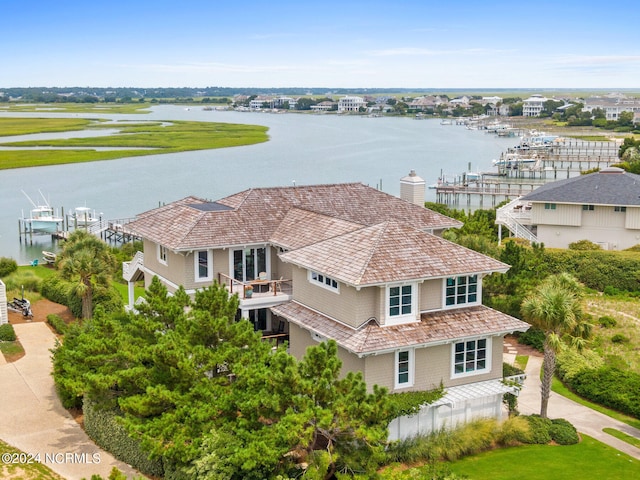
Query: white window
[162, 254]
[401, 304]
[462, 290]
[404, 368]
[619, 209]
[203, 265]
[324, 281]
[471, 357]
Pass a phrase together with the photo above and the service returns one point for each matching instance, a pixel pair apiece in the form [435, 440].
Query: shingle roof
[610, 186]
[434, 328]
[256, 214]
[389, 251]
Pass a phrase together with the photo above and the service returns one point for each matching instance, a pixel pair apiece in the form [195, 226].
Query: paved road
[584, 419]
[33, 419]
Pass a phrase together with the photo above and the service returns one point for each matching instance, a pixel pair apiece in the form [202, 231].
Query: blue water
[305, 149]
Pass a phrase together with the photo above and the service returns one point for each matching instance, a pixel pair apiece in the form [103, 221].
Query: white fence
[4, 317]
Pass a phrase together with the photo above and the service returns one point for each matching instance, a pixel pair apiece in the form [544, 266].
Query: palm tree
[555, 308]
[85, 260]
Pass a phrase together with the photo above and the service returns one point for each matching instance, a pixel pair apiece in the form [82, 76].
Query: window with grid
[323, 280]
[400, 300]
[461, 290]
[470, 356]
[404, 368]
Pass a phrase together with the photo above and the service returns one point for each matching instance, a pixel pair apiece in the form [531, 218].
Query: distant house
[349, 263]
[324, 106]
[613, 105]
[602, 207]
[350, 104]
[261, 101]
[532, 106]
[424, 103]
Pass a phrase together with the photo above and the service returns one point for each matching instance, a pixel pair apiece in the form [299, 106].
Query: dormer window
[463, 290]
[401, 304]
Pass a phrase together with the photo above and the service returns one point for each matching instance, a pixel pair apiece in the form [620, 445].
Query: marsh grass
[144, 138]
[79, 107]
[25, 126]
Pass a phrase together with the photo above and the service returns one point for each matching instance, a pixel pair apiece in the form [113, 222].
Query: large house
[613, 105]
[350, 263]
[351, 104]
[533, 106]
[602, 207]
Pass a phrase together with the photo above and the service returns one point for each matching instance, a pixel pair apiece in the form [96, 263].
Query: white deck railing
[512, 216]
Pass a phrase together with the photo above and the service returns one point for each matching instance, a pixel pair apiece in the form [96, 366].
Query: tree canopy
[209, 396]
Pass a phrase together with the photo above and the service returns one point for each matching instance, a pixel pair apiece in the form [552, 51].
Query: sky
[335, 44]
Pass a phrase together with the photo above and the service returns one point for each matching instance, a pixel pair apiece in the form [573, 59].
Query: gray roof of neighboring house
[610, 186]
[257, 215]
[389, 251]
[433, 328]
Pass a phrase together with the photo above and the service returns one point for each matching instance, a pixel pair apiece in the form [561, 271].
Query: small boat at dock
[42, 218]
[83, 217]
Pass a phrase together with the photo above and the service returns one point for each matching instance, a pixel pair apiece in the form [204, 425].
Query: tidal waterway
[302, 149]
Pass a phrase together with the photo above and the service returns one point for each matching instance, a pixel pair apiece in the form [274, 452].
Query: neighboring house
[4, 316]
[613, 105]
[350, 104]
[532, 106]
[260, 101]
[602, 207]
[324, 106]
[349, 263]
[428, 102]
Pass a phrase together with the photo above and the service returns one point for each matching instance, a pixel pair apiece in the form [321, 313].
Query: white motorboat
[42, 218]
[83, 217]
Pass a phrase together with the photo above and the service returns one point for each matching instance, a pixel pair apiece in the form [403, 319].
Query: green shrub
[539, 430]
[57, 323]
[60, 291]
[513, 431]
[7, 266]
[619, 338]
[103, 428]
[584, 245]
[570, 362]
[409, 403]
[563, 433]
[607, 321]
[610, 387]
[598, 269]
[7, 333]
[532, 337]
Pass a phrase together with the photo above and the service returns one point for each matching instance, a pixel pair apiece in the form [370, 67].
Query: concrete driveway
[583, 418]
[33, 419]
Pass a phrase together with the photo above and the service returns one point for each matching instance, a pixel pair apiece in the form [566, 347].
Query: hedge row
[610, 387]
[598, 269]
[7, 333]
[60, 291]
[57, 323]
[103, 428]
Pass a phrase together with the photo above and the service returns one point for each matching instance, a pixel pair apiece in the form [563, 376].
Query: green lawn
[588, 460]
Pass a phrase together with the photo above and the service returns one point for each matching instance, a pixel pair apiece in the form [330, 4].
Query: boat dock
[112, 231]
[522, 169]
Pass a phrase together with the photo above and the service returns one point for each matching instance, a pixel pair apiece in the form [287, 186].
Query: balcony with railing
[260, 289]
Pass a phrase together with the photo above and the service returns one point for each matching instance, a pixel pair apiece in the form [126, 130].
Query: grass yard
[142, 138]
[588, 460]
